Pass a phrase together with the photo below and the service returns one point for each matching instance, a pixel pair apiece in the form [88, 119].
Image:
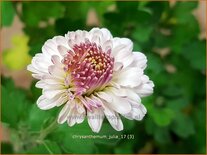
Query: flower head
[92, 75]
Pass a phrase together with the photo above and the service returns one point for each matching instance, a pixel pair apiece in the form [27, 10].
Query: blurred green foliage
[168, 35]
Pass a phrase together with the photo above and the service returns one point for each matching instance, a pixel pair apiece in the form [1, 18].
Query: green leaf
[142, 33]
[107, 130]
[35, 41]
[126, 6]
[83, 138]
[200, 125]
[34, 12]
[80, 11]
[14, 101]
[103, 149]
[183, 10]
[183, 125]
[35, 92]
[195, 53]
[6, 148]
[177, 103]
[185, 80]
[7, 13]
[128, 124]
[173, 91]
[46, 147]
[37, 117]
[124, 148]
[100, 7]
[155, 65]
[111, 22]
[157, 9]
[160, 134]
[183, 34]
[162, 116]
[137, 47]
[73, 139]
[72, 25]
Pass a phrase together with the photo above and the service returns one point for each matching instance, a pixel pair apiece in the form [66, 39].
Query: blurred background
[171, 34]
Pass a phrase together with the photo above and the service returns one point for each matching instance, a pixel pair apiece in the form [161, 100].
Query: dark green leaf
[74, 139]
[110, 133]
[155, 65]
[124, 148]
[183, 33]
[161, 134]
[183, 125]
[14, 101]
[46, 147]
[142, 33]
[35, 41]
[70, 25]
[34, 12]
[178, 103]
[183, 10]
[7, 13]
[162, 117]
[126, 6]
[6, 148]
[195, 52]
[37, 117]
[36, 92]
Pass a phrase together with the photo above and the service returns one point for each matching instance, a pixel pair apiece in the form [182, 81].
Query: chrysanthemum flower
[92, 75]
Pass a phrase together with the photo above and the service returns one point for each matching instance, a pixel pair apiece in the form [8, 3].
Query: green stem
[48, 149]
[48, 130]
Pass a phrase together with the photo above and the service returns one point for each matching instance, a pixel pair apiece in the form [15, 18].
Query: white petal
[118, 66]
[39, 64]
[140, 60]
[40, 84]
[103, 95]
[138, 111]
[106, 34]
[52, 80]
[95, 119]
[45, 104]
[76, 113]
[129, 77]
[32, 69]
[100, 36]
[127, 93]
[37, 76]
[57, 72]
[113, 119]
[56, 61]
[62, 117]
[50, 93]
[50, 47]
[96, 39]
[62, 50]
[62, 100]
[122, 51]
[107, 46]
[80, 119]
[72, 117]
[76, 37]
[81, 111]
[127, 60]
[145, 89]
[60, 40]
[119, 104]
